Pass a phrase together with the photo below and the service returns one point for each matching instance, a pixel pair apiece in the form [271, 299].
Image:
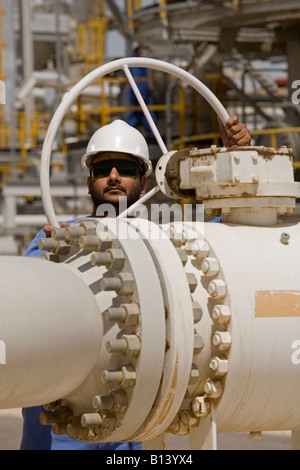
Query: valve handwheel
[72, 95]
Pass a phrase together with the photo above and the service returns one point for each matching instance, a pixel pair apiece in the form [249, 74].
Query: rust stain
[277, 304]
[166, 408]
[175, 375]
[168, 402]
[159, 417]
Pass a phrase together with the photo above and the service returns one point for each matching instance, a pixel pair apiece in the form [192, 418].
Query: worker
[137, 117]
[117, 159]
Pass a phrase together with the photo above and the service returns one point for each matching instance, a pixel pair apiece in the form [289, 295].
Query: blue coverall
[135, 117]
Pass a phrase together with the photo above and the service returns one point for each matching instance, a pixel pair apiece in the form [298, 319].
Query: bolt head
[197, 312]
[219, 366]
[284, 238]
[217, 288]
[133, 345]
[221, 314]
[200, 249]
[222, 340]
[210, 266]
[213, 388]
[194, 375]
[129, 376]
[200, 406]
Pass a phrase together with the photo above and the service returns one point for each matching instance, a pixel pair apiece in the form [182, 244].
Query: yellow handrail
[14, 130]
[215, 138]
[97, 111]
[213, 135]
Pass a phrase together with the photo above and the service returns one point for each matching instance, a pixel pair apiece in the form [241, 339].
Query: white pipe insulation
[50, 331]
[140, 333]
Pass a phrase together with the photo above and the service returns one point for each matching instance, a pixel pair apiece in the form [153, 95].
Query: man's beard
[99, 199]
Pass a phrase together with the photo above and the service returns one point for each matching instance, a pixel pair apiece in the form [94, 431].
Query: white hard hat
[118, 137]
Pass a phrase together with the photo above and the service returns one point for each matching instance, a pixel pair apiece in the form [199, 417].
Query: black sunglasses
[125, 168]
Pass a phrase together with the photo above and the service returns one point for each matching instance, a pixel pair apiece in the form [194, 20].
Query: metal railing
[25, 133]
[22, 131]
[214, 138]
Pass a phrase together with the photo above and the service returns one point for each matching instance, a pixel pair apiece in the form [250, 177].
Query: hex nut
[200, 249]
[91, 419]
[219, 366]
[127, 283]
[192, 280]
[222, 340]
[129, 376]
[213, 388]
[210, 266]
[221, 314]
[117, 259]
[133, 345]
[217, 288]
[200, 406]
[194, 374]
[198, 343]
[197, 311]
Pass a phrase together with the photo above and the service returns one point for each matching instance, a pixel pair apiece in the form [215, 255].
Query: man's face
[109, 189]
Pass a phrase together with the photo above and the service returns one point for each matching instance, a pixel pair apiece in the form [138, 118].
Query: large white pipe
[213, 321]
[50, 331]
[261, 276]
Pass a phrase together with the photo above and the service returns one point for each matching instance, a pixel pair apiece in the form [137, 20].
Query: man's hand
[234, 133]
[48, 229]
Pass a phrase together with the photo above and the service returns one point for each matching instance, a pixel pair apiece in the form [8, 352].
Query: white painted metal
[251, 259]
[145, 110]
[179, 329]
[249, 185]
[151, 306]
[50, 337]
[142, 330]
[234, 359]
[261, 370]
[141, 394]
[204, 436]
[11, 192]
[160, 176]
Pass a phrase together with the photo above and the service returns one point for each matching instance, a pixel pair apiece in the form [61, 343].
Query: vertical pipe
[11, 83]
[58, 49]
[1, 42]
[27, 53]
[182, 116]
